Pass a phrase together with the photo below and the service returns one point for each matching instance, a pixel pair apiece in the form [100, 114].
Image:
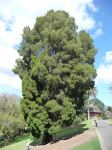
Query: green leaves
[37, 118]
[53, 107]
[39, 71]
[68, 113]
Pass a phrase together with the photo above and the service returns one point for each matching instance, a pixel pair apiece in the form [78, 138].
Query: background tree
[109, 108]
[55, 64]
[11, 119]
[98, 103]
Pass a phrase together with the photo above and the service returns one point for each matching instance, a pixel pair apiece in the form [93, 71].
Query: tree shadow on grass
[63, 134]
[69, 132]
[37, 141]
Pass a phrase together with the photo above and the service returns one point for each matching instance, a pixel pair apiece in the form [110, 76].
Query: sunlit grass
[87, 124]
[93, 144]
[110, 121]
[19, 143]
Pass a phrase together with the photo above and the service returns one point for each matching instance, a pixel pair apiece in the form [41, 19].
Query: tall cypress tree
[55, 67]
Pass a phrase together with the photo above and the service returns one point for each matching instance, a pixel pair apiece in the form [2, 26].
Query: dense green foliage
[55, 67]
[99, 104]
[11, 120]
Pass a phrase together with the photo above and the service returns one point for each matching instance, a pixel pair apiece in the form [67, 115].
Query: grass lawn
[74, 130]
[87, 124]
[93, 144]
[110, 120]
[20, 142]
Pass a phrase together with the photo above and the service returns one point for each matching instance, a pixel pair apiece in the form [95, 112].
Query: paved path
[105, 132]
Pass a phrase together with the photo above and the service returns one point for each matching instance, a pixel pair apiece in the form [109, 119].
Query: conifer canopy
[55, 65]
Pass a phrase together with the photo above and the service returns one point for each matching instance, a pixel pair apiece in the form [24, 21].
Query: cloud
[10, 81]
[15, 15]
[98, 30]
[7, 57]
[22, 13]
[7, 61]
[104, 72]
[108, 57]
[97, 33]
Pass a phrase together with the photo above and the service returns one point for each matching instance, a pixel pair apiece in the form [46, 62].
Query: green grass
[93, 144]
[87, 124]
[20, 142]
[110, 121]
[74, 130]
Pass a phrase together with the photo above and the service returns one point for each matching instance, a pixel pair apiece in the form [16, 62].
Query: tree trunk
[47, 138]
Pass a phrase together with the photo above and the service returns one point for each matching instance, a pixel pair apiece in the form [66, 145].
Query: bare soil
[70, 143]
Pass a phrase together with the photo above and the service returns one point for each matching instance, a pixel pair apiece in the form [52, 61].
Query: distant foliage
[55, 67]
[11, 119]
[98, 103]
[109, 108]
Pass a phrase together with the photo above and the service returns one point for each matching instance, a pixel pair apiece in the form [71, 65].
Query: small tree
[54, 67]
